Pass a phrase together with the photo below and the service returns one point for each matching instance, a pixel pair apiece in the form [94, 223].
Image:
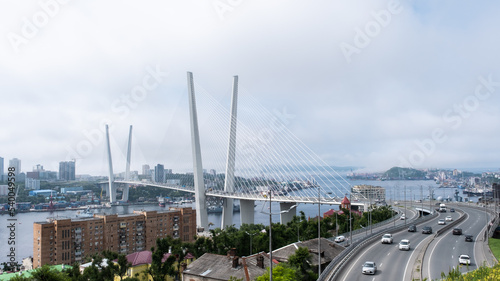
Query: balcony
[176, 227]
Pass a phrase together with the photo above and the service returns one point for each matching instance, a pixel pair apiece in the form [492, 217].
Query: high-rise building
[30, 183]
[159, 173]
[146, 170]
[66, 241]
[67, 170]
[1, 169]
[16, 163]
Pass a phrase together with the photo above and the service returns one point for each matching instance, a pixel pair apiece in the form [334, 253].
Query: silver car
[369, 267]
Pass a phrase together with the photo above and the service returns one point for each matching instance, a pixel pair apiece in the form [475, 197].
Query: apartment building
[58, 241]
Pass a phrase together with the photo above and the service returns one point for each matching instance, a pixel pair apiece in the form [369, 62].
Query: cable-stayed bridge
[263, 161]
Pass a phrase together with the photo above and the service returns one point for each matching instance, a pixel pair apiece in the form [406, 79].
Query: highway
[442, 254]
[392, 264]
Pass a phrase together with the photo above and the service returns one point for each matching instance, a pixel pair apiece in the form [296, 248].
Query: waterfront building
[43, 192]
[67, 170]
[375, 193]
[16, 163]
[68, 240]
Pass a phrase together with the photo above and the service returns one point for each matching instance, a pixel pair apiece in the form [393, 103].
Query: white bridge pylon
[279, 164]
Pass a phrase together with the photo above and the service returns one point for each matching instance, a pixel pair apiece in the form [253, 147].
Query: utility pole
[319, 232]
[405, 204]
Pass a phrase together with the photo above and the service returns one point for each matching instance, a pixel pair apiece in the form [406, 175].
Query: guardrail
[338, 263]
[358, 231]
[417, 266]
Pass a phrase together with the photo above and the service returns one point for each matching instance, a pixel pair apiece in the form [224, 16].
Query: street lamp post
[270, 232]
[350, 219]
[270, 238]
[405, 204]
[319, 232]
[251, 235]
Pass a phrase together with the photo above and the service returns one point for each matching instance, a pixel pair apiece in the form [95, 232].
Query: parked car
[427, 230]
[441, 221]
[339, 239]
[369, 267]
[464, 259]
[457, 231]
[452, 210]
[412, 228]
[449, 218]
[469, 238]
[387, 238]
[404, 245]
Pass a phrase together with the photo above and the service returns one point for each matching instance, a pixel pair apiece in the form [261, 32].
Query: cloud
[368, 112]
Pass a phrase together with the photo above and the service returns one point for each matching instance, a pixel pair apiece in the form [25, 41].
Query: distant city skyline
[368, 84]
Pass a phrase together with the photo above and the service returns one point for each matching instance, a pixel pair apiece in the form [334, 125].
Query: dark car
[412, 228]
[427, 230]
[452, 210]
[457, 231]
[468, 238]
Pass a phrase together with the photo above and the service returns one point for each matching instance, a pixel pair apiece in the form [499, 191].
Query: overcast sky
[371, 84]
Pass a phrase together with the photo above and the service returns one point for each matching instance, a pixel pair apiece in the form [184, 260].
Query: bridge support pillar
[247, 211]
[227, 211]
[112, 190]
[199, 184]
[287, 212]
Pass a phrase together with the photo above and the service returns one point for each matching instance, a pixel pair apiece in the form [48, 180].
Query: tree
[300, 260]
[123, 266]
[159, 269]
[46, 273]
[281, 272]
[73, 272]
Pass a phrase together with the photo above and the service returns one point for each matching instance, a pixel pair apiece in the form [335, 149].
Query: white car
[441, 221]
[369, 267]
[339, 239]
[403, 217]
[404, 245]
[464, 259]
[387, 238]
[449, 218]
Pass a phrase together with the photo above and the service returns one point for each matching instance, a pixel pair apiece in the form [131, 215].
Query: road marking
[381, 265]
[410, 259]
[389, 253]
[435, 245]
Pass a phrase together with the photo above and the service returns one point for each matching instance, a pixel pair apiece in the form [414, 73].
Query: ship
[161, 202]
[85, 213]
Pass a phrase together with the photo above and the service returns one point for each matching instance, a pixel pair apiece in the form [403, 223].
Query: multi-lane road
[440, 256]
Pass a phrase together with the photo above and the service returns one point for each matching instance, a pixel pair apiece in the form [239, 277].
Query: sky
[371, 84]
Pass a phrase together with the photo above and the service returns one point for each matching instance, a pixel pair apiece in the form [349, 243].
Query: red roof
[138, 258]
[345, 200]
[329, 213]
